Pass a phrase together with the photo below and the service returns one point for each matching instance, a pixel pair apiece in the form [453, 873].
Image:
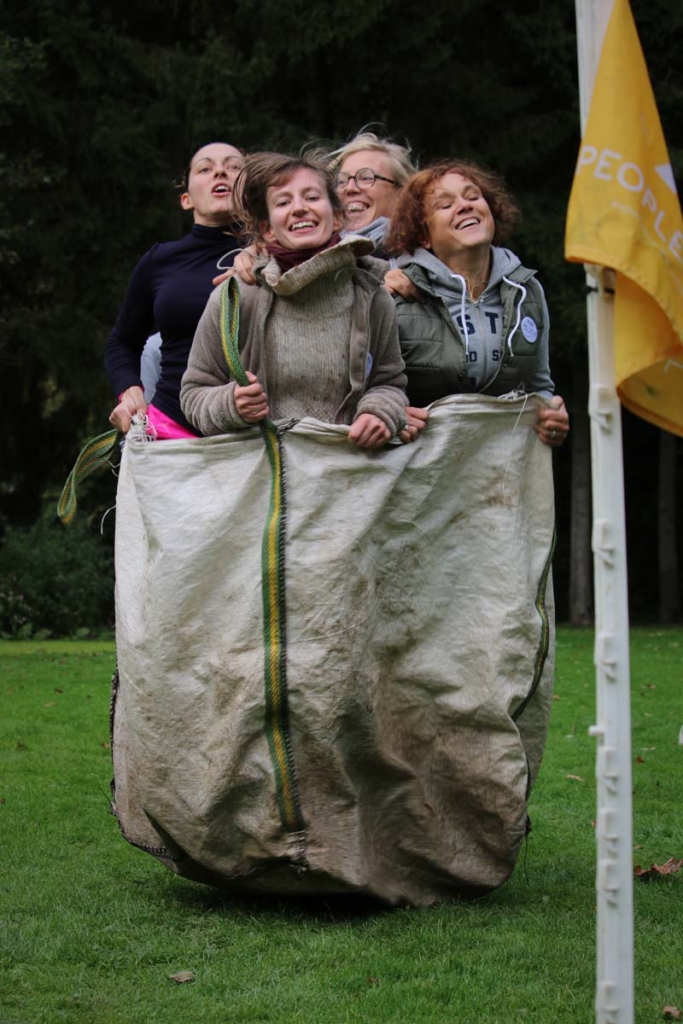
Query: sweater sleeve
[207, 393]
[540, 380]
[133, 326]
[385, 386]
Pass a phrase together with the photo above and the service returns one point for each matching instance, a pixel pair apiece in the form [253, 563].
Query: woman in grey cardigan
[318, 336]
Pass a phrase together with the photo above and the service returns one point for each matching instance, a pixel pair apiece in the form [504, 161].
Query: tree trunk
[667, 551]
[580, 555]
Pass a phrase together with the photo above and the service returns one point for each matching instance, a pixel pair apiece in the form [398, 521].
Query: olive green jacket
[435, 352]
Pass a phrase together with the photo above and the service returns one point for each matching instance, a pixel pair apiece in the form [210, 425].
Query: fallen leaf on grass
[671, 1013]
[57, 690]
[671, 866]
[650, 686]
[556, 696]
[182, 976]
[577, 777]
[105, 745]
[373, 981]
[640, 760]
[2, 800]
[50, 704]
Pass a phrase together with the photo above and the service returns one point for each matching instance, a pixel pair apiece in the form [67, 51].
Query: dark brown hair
[262, 171]
[407, 232]
[183, 179]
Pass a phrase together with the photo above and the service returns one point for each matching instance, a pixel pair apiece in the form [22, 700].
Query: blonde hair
[399, 156]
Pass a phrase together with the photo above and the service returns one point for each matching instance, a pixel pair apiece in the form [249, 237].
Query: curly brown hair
[407, 231]
[262, 171]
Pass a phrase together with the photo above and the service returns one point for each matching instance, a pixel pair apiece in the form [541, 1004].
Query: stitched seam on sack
[544, 643]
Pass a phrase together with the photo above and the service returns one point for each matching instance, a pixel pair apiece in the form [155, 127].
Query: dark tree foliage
[101, 104]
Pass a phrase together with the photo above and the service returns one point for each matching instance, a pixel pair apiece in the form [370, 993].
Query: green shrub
[55, 581]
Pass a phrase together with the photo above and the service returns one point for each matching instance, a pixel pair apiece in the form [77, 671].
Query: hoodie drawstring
[463, 322]
[520, 287]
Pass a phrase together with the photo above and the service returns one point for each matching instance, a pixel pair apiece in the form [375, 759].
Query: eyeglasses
[364, 178]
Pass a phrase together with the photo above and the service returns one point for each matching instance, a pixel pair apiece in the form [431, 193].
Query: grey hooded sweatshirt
[453, 344]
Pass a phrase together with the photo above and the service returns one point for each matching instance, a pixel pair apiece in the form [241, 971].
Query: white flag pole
[614, 829]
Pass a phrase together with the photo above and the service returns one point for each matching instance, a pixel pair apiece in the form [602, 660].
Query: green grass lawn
[92, 928]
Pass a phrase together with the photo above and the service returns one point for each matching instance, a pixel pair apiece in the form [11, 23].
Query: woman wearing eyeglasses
[168, 291]
[369, 172]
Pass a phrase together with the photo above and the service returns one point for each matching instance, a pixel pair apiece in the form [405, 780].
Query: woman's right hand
[131, 400]
[243, 266]
[250, 400]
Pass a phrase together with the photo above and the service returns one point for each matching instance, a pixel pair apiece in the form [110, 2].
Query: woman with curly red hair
[483, 327]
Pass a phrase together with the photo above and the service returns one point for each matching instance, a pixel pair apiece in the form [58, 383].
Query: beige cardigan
[376, 370]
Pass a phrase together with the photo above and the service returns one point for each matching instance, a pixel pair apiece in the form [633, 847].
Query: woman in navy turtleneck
[168, 292]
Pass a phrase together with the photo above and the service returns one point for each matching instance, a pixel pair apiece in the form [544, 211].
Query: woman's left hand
[398, 283]
[416, 421]
[552, 425]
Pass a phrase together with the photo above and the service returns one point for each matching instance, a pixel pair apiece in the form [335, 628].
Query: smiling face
[300, 214]
[362, 206]
[210, 182]
[458, 220]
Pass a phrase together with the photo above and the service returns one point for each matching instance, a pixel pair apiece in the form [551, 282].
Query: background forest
[101, 105]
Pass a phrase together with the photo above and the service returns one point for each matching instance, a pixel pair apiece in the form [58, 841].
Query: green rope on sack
[96, 453]
[230, 329]
[277, 725]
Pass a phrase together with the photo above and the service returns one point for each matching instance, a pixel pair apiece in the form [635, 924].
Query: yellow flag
[624, 213]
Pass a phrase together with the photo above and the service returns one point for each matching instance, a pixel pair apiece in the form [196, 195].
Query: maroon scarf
[288, 258]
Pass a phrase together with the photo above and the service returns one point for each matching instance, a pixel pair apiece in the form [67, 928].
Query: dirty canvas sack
[335, 665]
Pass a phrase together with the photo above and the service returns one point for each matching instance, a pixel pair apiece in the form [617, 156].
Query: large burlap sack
[349, 691]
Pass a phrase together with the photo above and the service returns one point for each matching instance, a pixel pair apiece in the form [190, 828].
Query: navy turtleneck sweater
[167, 293]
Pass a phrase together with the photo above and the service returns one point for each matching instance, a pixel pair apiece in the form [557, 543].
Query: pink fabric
[166, 429]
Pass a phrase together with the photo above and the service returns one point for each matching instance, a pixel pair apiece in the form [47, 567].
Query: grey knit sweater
[321, 338]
